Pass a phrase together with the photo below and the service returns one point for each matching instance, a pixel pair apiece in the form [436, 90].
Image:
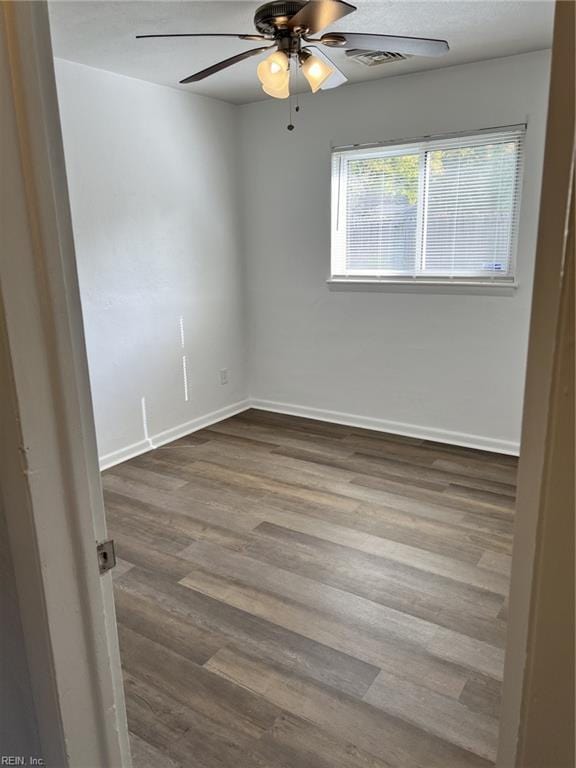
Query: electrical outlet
[224, 376]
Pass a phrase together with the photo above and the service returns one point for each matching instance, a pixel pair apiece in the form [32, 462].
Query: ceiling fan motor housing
[272, 17]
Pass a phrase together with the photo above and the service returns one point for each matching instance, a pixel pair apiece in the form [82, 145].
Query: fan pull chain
[290, 126]
[297, 107]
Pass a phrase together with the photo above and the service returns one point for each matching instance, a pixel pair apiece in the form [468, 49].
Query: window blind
[443, 208]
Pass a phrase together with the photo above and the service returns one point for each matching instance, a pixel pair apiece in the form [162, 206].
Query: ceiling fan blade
[413, 46]
[224, 64]
[336, 78]
[317, 14]
[205, 34]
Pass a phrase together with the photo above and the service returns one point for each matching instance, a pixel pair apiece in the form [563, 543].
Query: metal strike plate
[106, 556]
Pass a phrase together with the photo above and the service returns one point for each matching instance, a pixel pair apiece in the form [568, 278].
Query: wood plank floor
[296, 594]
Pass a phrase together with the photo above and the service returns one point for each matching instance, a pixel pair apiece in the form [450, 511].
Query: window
[434, 210]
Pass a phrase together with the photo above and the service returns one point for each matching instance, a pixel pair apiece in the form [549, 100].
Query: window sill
[473, 287]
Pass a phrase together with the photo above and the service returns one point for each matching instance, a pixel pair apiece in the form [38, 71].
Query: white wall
[153, 189]
[439, 365]
[187, 207]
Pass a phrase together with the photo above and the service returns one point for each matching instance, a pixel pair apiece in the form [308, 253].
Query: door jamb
[542, 403]
[49, 476]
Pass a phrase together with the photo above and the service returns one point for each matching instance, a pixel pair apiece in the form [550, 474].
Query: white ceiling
[100, 33]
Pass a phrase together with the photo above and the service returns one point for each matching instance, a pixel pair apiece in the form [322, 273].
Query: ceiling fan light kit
[314, 70]
[274, 75]
[287, 26]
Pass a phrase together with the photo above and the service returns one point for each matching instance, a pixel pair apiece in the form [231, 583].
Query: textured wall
[153, 190]
[443, 364]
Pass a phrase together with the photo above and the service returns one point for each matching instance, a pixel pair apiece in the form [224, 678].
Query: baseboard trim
[335, 417]
[394, 427]
[124, 454]
[174, 433]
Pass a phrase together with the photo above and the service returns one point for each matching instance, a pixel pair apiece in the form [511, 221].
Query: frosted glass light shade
[274, 74]
[315, 71]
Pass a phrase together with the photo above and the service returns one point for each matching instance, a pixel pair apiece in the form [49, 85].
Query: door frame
[538, 691]
[49, 476]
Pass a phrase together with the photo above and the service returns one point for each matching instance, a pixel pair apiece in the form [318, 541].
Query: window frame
[340, 279]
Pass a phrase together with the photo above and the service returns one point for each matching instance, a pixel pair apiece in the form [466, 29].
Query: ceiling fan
[287, 26]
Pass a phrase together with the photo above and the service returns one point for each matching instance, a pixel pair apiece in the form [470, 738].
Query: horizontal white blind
[436, 209]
